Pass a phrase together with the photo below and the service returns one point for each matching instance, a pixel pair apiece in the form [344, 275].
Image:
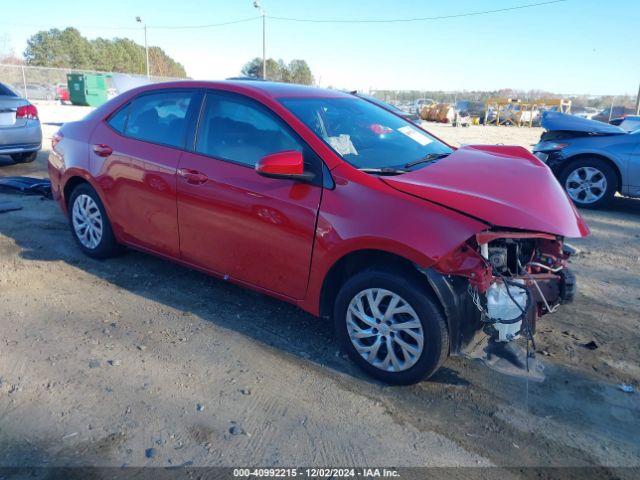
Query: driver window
[240, 130]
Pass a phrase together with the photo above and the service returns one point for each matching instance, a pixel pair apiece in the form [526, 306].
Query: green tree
[299, 72]
[274, 69]
[296, 72]
[59, 48]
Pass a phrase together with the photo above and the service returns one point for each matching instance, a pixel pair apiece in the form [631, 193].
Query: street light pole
[146, 49]
[264, 43]
[257, 5]
[146, 45]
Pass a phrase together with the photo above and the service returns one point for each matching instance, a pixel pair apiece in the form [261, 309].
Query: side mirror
[288, 164]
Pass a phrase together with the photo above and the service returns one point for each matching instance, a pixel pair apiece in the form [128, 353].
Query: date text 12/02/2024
[316, 472]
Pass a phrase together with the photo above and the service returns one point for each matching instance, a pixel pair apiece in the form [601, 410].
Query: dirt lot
[136, 361]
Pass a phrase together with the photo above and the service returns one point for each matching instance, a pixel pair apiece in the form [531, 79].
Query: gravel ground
[137, 361]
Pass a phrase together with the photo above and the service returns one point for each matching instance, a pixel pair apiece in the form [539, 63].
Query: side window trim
[322, 172]
[194, 114]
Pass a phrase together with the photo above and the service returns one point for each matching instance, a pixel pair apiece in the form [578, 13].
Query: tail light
[55, 139]
[29, 112]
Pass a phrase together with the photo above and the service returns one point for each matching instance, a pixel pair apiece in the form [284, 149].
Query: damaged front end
[503, 282]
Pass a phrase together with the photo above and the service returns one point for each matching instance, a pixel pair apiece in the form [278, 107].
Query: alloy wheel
[586, 185]
[87, 221]
[385, 330]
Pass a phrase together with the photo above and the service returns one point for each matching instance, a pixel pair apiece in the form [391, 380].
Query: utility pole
[257, 5]
[146, 45]
[638, 102]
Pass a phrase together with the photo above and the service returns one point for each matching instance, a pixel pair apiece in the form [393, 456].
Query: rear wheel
[391, 326]
[589, 182]
[24, 157]
[89, 223]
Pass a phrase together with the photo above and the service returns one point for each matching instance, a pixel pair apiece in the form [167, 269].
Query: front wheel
[589, 182]
[389, 325]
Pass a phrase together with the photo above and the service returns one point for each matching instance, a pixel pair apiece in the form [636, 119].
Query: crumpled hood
[554, 121]
[503, 186]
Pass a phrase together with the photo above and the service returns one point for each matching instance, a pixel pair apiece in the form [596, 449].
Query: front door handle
[194, 177]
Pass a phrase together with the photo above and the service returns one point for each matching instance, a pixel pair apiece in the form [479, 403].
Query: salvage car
[413, 248]
[592, 160]
[20, 130]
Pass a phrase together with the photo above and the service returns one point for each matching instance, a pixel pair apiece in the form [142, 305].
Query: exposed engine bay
[513, 279]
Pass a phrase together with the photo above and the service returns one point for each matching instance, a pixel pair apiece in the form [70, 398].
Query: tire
[600, 184]
[84, 202]
[412, 292]
[24, 157]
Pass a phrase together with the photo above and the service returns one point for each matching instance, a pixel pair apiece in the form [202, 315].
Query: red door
[134, 157]
[235, 222]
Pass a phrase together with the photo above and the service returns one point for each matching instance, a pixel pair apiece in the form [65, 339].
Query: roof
[270, 89]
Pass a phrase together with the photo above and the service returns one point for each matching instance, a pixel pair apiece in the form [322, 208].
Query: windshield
[365, 135]
[380, 103]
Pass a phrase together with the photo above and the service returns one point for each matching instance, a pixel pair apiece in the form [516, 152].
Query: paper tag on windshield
[415, 135]
[342, 144]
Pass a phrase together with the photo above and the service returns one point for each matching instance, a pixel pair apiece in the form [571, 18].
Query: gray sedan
[20, 132]
[592, 160]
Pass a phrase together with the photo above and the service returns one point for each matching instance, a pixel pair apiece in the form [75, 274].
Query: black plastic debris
[26, 186]
[9, 207]
[590, 345]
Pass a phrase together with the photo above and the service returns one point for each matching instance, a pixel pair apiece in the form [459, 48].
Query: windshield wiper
[427, 158]
[384, 170]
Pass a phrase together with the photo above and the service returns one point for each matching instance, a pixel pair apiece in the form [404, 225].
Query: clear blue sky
[579, 46]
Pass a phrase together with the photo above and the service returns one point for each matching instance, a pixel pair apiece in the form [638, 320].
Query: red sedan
[330, 202]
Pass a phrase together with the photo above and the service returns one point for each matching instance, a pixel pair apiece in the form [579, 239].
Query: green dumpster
[87, 88]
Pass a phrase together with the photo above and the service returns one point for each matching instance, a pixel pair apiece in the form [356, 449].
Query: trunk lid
[503, 186]
[8, 107]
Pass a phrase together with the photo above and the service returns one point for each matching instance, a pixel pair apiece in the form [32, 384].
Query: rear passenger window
[159, 118]
[240, 130]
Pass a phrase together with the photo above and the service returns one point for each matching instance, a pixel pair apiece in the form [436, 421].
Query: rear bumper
[19, 148]
[27, 138]
[54, 166]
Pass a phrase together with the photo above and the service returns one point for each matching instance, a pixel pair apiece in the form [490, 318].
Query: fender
[380, 218]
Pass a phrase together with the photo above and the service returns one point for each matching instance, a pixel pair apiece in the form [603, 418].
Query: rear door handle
[193, 177]
[102, 150]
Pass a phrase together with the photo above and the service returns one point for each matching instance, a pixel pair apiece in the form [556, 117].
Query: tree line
[69, 49]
